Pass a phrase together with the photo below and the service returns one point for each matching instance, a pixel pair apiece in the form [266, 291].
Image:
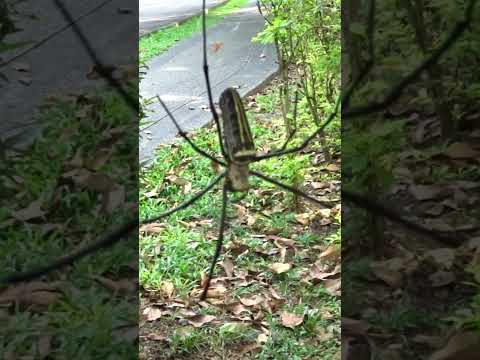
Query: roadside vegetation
[160, 41]
[75, 182]
[276, 294]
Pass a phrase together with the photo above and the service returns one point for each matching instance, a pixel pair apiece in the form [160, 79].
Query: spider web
[347, 112]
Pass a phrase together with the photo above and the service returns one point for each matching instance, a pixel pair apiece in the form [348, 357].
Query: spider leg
[218, 249]
[286, 187]
[207, 80]
[103, 243]
[185, 137]
[187, 203]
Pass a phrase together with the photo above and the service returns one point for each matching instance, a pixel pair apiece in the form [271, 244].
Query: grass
[160, 41]
[181, 252]
[81, 319]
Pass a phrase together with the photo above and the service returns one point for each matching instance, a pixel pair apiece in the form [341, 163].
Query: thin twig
[292, 189]
[183, 134]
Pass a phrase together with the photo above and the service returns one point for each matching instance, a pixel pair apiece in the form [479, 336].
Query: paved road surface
[157, 13]
[177, 75]
[62, 64]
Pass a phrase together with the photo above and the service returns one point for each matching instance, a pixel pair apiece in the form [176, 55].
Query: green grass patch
[85, 315]
[160, 41]
[182, 250]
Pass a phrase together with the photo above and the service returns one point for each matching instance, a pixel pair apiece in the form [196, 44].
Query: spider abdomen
[237, 139]
[237, 136]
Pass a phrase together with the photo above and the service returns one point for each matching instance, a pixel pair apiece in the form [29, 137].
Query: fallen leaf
[167, 288]
[156, 337]
[200, 320]
[443, 257]
[333, 167]
[228, 266]
[463, 346]
[152, 228]
[153, 313]
[426, 192]
[237, 308]
[32, 211]
[253, 300]
[38, 294]
[442, 278]
[331, 253]
[354, 326]
[291, 320]
[280, 268]
[217, 45]
[333, 286]
[461, 150]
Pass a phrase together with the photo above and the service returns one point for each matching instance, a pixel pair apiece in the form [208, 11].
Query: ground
[276, 290]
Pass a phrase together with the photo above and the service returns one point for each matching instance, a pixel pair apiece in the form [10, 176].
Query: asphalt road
[177, 77]
[61, 64]
[155, 14]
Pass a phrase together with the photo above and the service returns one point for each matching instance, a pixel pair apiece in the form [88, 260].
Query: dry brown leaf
[461, 150]
[304, 219]
[228, 266]
[355, 327]
[280, 268]
[281, 242]
[443, 257]
[426, 192]
[32, 211]
[167, 289]
[152, 228]
[333, 286]
[331, 253]
[217, 292]
[463, 346]
[291, 320]
[333, 167]
[389, 270]
[317, 274]
[154, 313]
[237, 308]
[253, 300]
[100, 159]
[433, 341]
[200, 320]
[442, 278]
[156, 337]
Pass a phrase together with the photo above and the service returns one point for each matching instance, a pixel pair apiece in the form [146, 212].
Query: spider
[238, 151]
